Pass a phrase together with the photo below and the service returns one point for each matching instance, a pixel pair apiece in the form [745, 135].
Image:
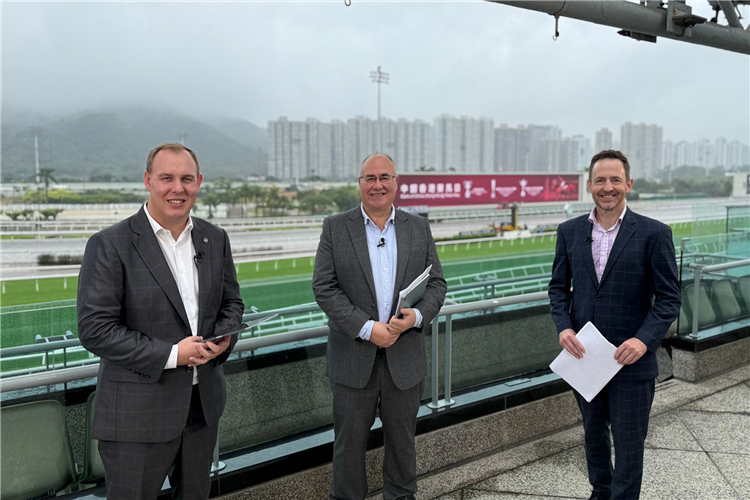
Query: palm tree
[45, 174]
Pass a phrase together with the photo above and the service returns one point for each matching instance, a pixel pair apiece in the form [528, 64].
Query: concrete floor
[698, 448]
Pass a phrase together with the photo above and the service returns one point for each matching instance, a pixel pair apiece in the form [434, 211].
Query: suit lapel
[627, 229]
[588, 257]
[203, 254]
[403, 242]
[150, 252]
[356, 227]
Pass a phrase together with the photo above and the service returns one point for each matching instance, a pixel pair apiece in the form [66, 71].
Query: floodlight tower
[36, 155]
[379, 77]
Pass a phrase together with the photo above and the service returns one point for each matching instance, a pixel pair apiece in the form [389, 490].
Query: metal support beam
[639, 18]
[727, 7]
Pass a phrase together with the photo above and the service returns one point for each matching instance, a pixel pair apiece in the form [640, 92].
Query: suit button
[132, 371]
[598, 297]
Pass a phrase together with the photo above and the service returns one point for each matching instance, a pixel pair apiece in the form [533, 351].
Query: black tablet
[243, 328]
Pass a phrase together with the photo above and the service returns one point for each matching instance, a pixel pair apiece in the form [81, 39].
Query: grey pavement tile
[719, 432]
[734, 399]
[679, 393]
[562, 474]
[735, 469]
[483, 468]
[678, 475]
[491, 495]
[668, 431]
[740, 374]
[456, 495]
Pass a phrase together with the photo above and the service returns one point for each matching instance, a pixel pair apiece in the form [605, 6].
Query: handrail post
[448, 358]
[696, 296]
[217, 466]
[435, 336]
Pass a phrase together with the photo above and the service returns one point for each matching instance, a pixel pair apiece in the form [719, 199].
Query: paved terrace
[698, 447]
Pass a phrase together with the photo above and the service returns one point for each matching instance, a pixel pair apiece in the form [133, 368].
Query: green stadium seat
[743, 287]
[724, 300]
[93, 469]
[36, 456]
[706, 314]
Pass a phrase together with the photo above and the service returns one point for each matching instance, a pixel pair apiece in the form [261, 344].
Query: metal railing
[66, 375]
[698, 271]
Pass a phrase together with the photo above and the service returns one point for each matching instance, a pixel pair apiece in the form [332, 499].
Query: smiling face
[173, 185]
[609, 184]
[377, 197]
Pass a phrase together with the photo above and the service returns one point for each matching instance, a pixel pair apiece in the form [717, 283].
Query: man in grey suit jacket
[376, 355]
[149, 288]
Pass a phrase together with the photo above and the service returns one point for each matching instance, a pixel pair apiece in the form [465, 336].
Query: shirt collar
[156, 227]
[367, 217]
[592, 216]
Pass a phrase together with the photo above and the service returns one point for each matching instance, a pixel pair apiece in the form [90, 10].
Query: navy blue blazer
[638, 296]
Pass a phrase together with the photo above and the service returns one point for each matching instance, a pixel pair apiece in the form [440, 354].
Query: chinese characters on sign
[453, 189]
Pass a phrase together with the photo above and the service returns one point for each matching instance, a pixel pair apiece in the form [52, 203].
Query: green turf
[276, 284]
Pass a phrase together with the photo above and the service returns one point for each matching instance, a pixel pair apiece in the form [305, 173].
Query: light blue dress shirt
[381, 246]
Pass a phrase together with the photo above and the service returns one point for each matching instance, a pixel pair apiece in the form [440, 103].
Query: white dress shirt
[602, 241]
[180, 255]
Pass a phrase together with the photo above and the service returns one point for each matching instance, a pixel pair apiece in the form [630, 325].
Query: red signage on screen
[439, 190]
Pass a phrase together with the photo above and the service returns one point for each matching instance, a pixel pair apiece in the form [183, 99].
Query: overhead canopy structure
[651, 19]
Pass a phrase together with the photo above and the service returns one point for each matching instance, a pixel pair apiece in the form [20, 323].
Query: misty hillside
[115, 143]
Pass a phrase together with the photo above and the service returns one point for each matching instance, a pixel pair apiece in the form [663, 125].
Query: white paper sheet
[591, 373]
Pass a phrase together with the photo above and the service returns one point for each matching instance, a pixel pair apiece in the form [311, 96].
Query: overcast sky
[262, 60]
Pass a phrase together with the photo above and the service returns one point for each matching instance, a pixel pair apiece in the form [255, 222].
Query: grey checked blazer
[130, 314]
[639, 293]
[344, 289]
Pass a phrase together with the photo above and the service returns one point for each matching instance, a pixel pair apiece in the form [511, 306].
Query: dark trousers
[624, 406]
[136, 471]
[353, 416]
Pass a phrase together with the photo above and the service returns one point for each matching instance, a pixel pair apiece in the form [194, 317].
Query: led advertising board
[442, 190]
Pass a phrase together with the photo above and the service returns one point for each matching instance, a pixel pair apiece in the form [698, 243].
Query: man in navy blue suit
[623, 274]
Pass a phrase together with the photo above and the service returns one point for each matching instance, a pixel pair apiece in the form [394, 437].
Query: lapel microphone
[589, 239]
[198, 257]
[382, 242]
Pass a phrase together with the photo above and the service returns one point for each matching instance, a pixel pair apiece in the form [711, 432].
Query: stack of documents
[591, 373]
[413, 293]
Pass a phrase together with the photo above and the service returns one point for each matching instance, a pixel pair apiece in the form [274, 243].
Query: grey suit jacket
[344, 290]
[130, 314]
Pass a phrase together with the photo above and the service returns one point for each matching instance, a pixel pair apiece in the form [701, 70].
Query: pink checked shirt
[604, 239]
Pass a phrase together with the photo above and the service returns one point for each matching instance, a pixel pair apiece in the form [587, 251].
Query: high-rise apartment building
[642, 144]
[464, 144]
[603, 140]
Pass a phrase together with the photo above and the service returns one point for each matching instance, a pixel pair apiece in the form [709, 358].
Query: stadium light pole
[379, 77]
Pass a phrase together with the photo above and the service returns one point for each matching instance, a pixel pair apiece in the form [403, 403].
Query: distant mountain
[114, 144]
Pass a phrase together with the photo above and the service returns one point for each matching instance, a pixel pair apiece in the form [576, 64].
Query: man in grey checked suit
[375, 359]
[623, 273]
[150, 287]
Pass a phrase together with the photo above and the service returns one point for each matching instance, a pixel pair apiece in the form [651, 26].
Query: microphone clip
[198, 257]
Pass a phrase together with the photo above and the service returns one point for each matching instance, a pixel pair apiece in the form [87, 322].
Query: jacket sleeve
[560, 294]
[101, 327]
[346, 317]
[667, 298]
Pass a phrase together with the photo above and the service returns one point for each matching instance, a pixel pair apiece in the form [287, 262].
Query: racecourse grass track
[47, 306]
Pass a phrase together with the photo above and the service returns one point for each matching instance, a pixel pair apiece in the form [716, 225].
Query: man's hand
[570, 343]
[210, 350]
[382, 336]
[630, 351]
[399, 326]
[186, 349]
